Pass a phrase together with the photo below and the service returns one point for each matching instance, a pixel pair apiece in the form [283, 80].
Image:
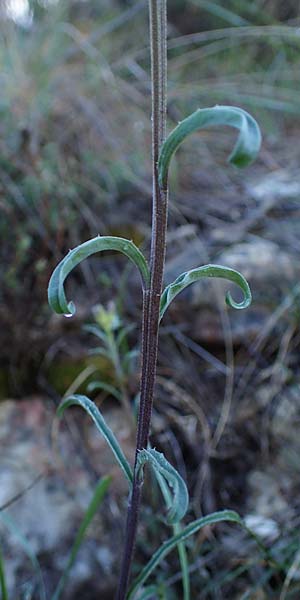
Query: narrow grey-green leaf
[3, 587]
[183, 559]
[95, 330]
[189, 277]
[106, 387]
[151, 592]
[169, 545]
[56, 293]
[245, 149]
[97, 498]
[221, 12]
[95, 414]
[160, 465]
[25, 544]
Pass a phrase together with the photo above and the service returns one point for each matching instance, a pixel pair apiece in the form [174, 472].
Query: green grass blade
[177, 527]
[95, 330]
[95, 414]
[56, 293]
[3, 588]
[9, 523]
[189, 277]
[153, 591]
[177, 504]
[169, 545]
[222, 13]
[245, 149]
[96, 500]
[106, 387]
[184, 563]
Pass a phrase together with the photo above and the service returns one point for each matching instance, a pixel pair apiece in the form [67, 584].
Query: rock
[207, 325]
[285, 420]
[189, 256]
[261, 261]
[281, 184]
[267, 268]
[267, 496]
[266, 529]
[285, 429]
[48, 515]
[270, 271]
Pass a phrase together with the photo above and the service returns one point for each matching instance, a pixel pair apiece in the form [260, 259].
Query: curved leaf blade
[245, 149]
[189, 277]
[105, 387]
[56, 293]
[95, 414]
[178, 506]
[169, 545]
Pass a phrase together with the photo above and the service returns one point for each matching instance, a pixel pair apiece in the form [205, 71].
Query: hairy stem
[158, 44]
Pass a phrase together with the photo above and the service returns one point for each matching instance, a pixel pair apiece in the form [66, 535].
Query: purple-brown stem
[151, 302]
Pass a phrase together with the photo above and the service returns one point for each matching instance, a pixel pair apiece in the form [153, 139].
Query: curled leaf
[245, 149]
[56, 293]
[189, 277]
[94, 412]
[165, 473]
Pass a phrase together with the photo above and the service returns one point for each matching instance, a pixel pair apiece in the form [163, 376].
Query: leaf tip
[241, 160]
[71, 310]
[239, 305]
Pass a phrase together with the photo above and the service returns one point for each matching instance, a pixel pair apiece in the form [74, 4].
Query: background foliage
[75, 162]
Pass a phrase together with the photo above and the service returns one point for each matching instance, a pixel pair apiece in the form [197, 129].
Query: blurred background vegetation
[75, 129]
[75, 143]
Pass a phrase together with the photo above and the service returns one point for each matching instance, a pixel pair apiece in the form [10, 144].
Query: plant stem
[158, 36]
[158, 44]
